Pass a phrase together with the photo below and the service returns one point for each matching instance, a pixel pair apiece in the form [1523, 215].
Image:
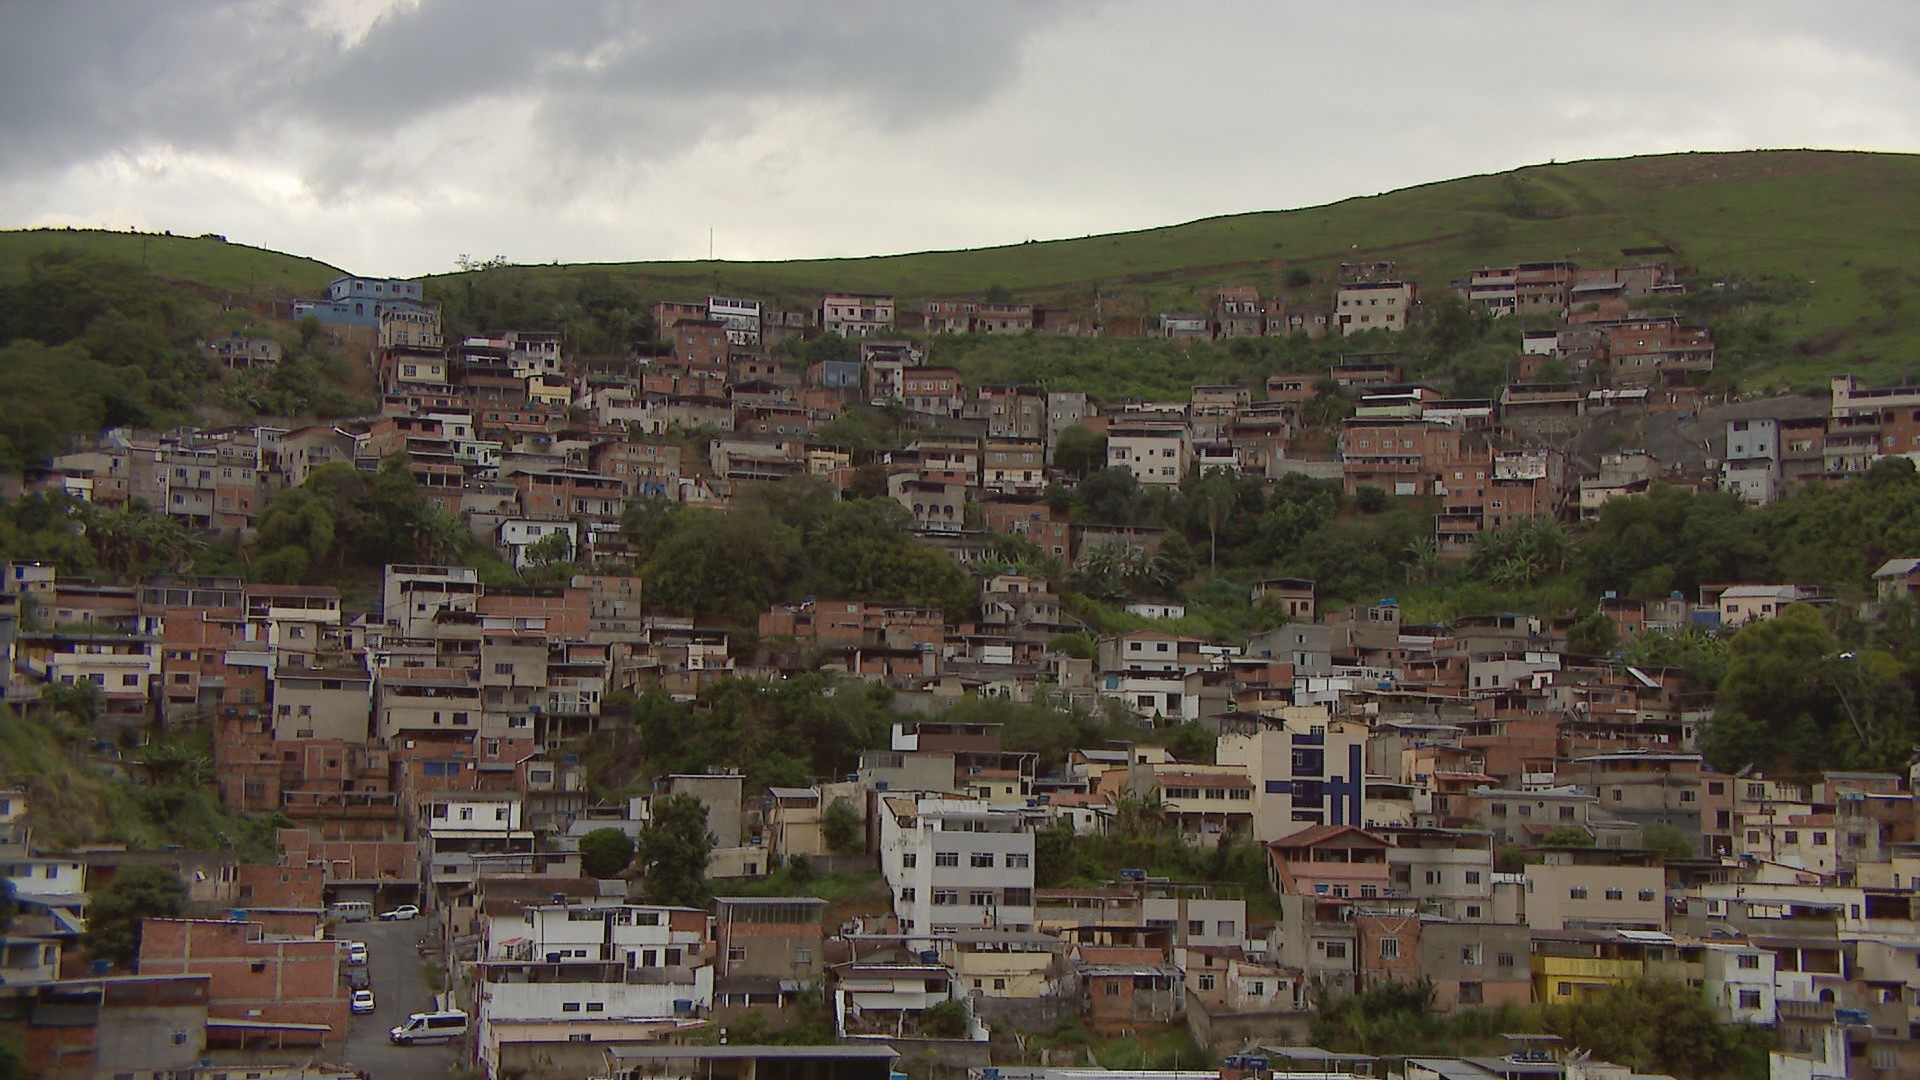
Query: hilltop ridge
[1830, 232]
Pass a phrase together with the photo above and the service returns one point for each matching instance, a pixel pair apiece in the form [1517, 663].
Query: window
[1749, 962]
[1791, 836]
[946, 858]
[503, 668]
[1578, 892]
[1473, 911]
[982, 859]
[1616, 894]
[569, 1006]
[1470, 954]
[1206, 982]
[1390, 948]
[1749, 999]
[1019, 862]
[596, 1006]
[1819, 839]
[1646, 895]
[1473, 877]
[802, 957]
[1113, 987]
[1433, 877]
[946, 897]
[1336, 950]
[980, 898]
[910, 859]
[999, 984]
[1566, 813]
[907, 895]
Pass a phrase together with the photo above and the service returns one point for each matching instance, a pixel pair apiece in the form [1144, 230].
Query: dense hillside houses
[1481, 807]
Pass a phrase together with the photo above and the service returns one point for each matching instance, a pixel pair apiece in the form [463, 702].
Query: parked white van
[351, 910]
[430, 1027]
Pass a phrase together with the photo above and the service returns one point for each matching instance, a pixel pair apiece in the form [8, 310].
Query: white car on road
[400, 914]
[362, 1003]
[356, 953]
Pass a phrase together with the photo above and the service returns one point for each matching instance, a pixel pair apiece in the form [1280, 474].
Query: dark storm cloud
[79, 81]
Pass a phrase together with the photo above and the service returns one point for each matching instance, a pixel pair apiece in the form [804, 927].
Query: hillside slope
[1833, 233]
[202, 260]
[1824, 240]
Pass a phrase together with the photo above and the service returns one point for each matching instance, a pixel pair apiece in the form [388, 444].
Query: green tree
[1567, 836]
[840, 827]
[555, 547]
[114, 913]
[1213, 497]
[1593, 635]
[849, 431]
[724, 564]
[1080, 450]
[605, 853]
[673, 851]
[1793, 700]
[1669, 840]
[1660, 1026]
[133, 540]
[79, 701]
[947, 1020]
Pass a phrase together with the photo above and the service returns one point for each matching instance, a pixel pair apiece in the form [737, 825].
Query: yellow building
[1574, 965]
[1006, 964]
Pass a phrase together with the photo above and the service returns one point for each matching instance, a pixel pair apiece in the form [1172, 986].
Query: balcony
[1816, 1012]
[340, 804]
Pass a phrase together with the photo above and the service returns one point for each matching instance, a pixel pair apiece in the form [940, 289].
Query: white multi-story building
[516, 535]
[1156, 452]
[463, 834]
[740, 316]
[956, 864]
[410, 596]
[1751, 468]
[1375, 305]
[1738, 980]
[1306, 769]
[594, 972]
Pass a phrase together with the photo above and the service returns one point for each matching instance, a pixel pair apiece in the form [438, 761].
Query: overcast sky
[390, 137]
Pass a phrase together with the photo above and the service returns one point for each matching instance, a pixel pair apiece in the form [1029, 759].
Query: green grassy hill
[1830, 235]
[1824, 240]
[202, 260]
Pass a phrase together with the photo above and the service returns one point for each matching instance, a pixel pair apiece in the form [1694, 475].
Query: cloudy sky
[391, 136]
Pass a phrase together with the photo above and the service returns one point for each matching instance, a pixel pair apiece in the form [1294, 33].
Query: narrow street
[399, 988]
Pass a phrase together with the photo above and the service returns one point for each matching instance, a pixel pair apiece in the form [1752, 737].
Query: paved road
[399, 988]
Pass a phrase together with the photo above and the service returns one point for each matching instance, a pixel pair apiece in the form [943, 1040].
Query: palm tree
[1215, 496]
[1423, 559]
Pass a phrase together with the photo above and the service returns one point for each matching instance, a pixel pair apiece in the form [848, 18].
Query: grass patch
[206, 260]
[76, 799]
[833, 888]
[1813, 218]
